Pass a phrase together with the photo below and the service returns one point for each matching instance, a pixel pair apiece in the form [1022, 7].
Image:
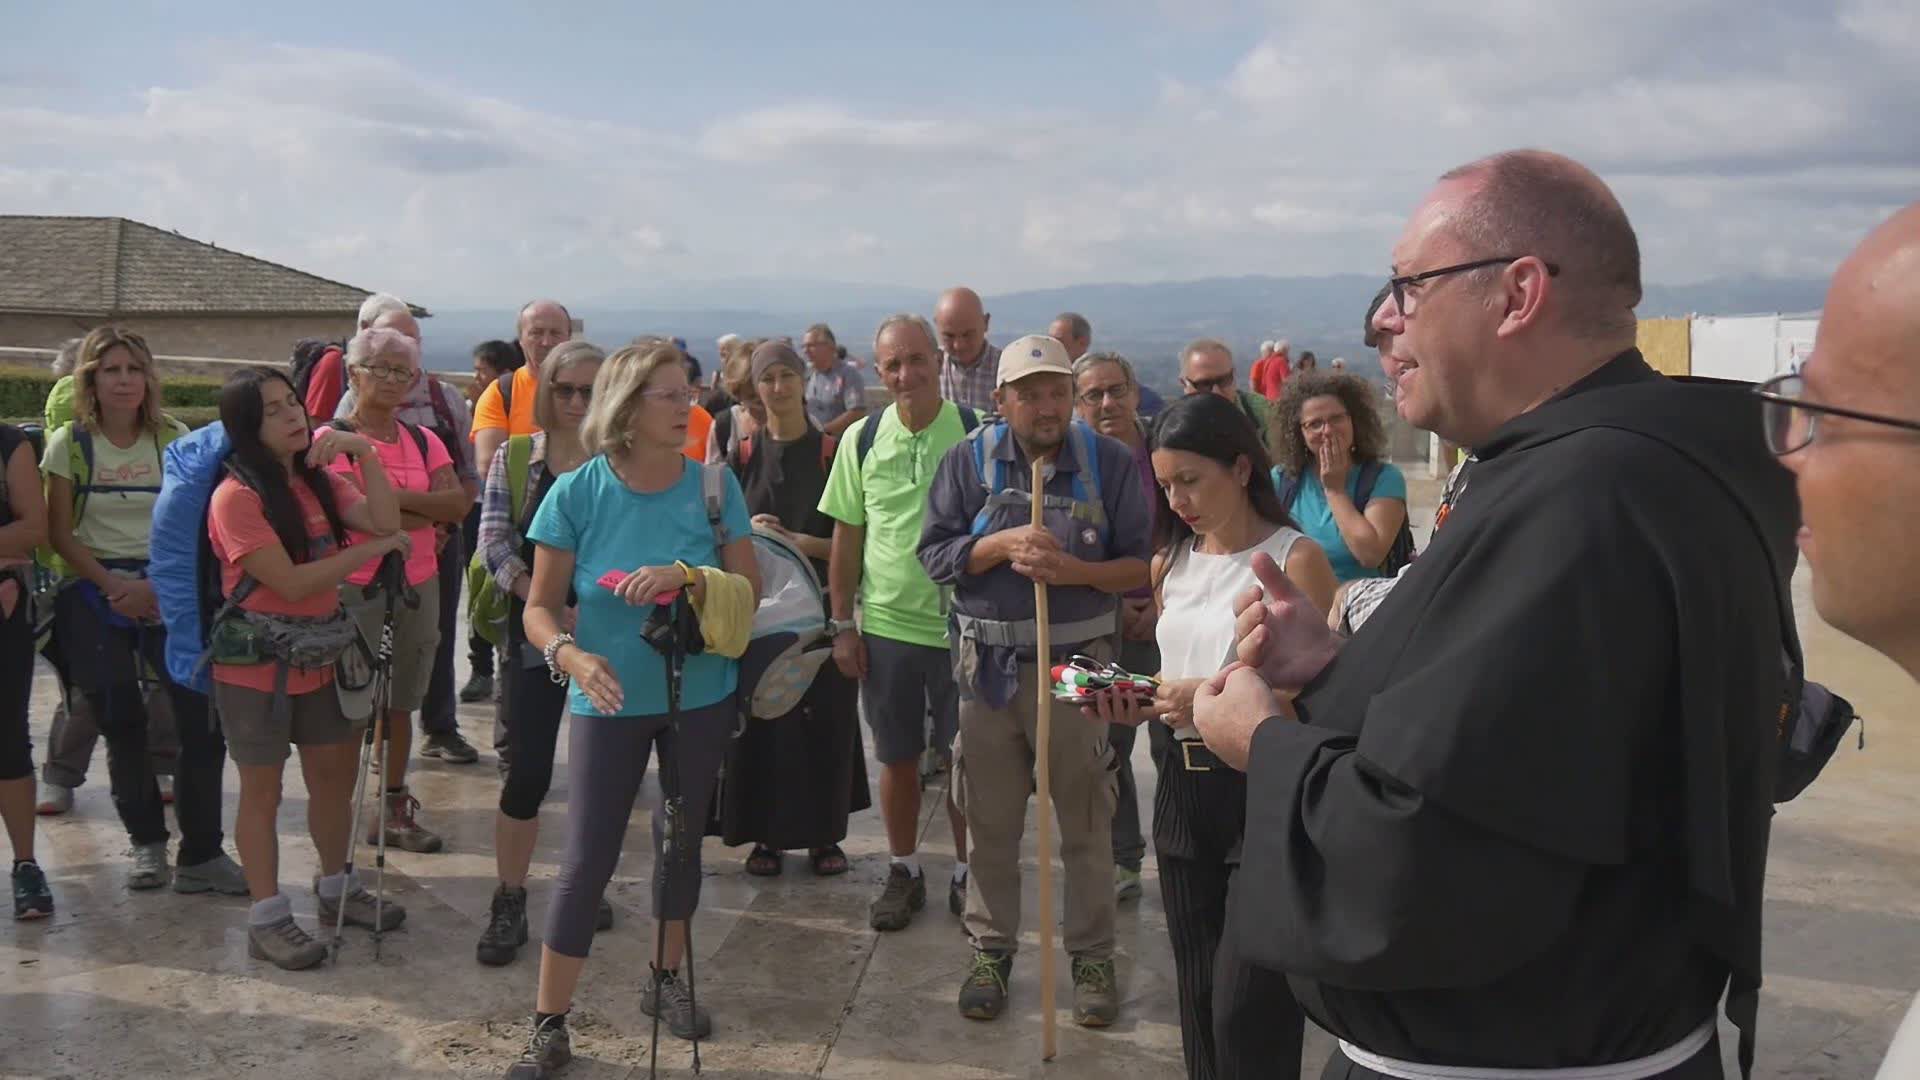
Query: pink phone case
[611, 580]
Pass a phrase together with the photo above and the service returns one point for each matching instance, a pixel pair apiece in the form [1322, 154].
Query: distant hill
[1148, 322]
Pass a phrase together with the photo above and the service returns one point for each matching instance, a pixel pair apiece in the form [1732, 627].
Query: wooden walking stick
[1042, 723]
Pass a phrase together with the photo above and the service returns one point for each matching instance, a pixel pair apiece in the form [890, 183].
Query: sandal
[829, 861]
[764, 862]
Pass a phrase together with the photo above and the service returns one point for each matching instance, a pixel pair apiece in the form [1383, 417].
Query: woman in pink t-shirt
[279, 518]
[382, 365]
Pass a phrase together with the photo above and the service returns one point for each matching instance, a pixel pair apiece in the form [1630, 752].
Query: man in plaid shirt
[970, 367]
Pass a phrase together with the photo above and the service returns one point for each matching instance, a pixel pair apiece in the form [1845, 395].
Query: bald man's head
[1859, 481]
[403, 321]
[543, 324]
[962, 321]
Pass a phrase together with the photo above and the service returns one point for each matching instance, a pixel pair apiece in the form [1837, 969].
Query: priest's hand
[1279, 632]
[1230, 707]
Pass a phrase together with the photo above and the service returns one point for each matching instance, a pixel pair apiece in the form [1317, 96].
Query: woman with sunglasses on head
[1217, 510]
[532, 704]
[382, 365]
[103, 477]
[624, 530]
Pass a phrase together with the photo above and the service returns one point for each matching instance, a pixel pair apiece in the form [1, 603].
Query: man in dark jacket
[1519, 822]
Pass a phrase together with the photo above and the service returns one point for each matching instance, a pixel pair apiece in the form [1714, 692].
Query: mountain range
[1146, 322]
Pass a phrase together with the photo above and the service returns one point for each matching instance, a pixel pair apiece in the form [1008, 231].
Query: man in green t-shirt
[877, 494]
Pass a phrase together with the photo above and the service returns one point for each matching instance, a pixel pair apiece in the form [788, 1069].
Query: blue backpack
[1085, 505]
[181, 557]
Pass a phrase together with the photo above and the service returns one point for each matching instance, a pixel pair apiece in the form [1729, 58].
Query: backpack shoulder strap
[869, 430]
[505, 385]
[519, 467]
[713, 492]
[1289, 489]
[969, 419]
[1369, 476]
[419, 442]
[80, 459]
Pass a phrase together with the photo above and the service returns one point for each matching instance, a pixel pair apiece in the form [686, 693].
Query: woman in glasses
[522, 475]
[382, 365]
[1217, 510]
[1332, 473]
[622, 531]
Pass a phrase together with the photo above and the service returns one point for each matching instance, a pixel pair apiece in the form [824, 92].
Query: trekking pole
[674, 808]
[382, 663]
[1043, 785]
[393, 571]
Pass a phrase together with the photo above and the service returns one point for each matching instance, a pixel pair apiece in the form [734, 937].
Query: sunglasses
[569, 391]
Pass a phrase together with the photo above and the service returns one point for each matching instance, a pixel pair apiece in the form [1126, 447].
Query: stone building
[62, 276]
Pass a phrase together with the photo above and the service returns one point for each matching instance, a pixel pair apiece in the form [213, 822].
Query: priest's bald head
[1859, 475]
[1516, 276]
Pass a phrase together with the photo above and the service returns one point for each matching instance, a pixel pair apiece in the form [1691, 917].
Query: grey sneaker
[284, 943]
[451, 747]
[54, 799]
[1126, 884]
[548, 1048]
[360, 909]
[150, 869]
[403, 831]
[984, 993]
[906, 893]
[219, 874]
[1096, 1001]
[666, 996]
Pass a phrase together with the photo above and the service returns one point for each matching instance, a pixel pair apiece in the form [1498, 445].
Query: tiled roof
[112, 267]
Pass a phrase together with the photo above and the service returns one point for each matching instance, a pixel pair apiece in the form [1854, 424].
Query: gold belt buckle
[1186, 756]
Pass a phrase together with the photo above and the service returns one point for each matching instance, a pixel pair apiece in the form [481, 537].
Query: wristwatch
[835, 627]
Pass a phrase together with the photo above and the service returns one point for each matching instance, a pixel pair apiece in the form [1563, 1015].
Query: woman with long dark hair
[280, 519]
[1216, 509]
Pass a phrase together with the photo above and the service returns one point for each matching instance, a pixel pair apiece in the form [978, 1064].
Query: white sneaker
[54, 799]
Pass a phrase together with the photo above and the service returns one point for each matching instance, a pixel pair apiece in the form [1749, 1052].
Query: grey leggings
[607, 757]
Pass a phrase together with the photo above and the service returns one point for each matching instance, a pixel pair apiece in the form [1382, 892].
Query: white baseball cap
[1035, 354]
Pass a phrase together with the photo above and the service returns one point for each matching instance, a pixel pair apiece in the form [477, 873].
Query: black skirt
[790, 783]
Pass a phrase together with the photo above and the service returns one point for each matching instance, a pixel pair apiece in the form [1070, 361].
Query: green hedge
[23, 392]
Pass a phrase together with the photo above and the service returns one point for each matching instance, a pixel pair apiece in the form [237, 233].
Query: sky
[476, 154]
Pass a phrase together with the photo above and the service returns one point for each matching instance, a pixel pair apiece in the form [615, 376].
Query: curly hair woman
[1328, 438]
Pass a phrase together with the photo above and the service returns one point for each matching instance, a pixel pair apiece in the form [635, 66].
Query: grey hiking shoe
[906, 893]
[984, 993]
[403, 831]
[478, 688]
[452, 747]
[360, 909]
[284, 943]
[1096, 999]
[548, 1048]
[666, 996]
[219, 874]
[150, 869]
[506, 927]
[1126, 884]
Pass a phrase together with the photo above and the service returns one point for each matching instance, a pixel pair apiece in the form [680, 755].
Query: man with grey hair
[970, 365]
[877, 496]
[1270, 372]
[1473, 849]
[836, 394]
[1070, 328]
[1206, 367]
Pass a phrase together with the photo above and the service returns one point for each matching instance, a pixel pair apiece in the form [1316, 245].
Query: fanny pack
[245, 638]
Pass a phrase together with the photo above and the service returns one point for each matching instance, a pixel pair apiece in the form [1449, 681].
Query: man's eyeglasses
[684, 396]
[1208, 386]
[1400, 285]
[1104, 393]
[387, 374]
[1791, 422]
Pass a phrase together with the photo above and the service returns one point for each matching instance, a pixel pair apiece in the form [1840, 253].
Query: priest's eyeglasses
[1401, 284]
[1791, 422]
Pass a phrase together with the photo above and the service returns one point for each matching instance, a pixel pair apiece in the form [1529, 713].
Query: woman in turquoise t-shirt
[1326, 430]
[636, 510]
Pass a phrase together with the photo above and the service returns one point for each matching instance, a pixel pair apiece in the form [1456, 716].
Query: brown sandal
[829, 861]
[764, 862]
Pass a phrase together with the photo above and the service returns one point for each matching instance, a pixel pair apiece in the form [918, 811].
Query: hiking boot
[1126, 884]
[906, 893]
[150, 870]
[361, 906]
[403, 831]
[957, 897]
[603, 918]
[547, 1049]
[666, 996]
[31, 897]
[1096, 1001]
[450, 747]
[283, 942]
[479, 688]
[219, 874]
[54, 799]
[506, 927]
[984, 993]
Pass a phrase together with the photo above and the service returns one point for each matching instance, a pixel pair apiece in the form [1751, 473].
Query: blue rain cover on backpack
[190, 470]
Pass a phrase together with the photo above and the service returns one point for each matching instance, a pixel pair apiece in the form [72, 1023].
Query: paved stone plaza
[160, 985]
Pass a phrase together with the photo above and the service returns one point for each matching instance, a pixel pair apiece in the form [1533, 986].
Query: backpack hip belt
[1024, 633]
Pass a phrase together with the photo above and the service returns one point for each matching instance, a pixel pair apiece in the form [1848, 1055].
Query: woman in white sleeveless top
[1217, 507]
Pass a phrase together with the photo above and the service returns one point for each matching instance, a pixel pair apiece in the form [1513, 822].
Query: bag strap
[1289, 489]
[1370, 472]
[713, 491]
[869, 430]
[443, 414]
[80, 458]
[519, 472]
[505, 384]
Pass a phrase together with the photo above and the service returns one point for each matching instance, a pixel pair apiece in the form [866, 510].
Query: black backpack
[307, 354]
[1401, 551]
[969, 419]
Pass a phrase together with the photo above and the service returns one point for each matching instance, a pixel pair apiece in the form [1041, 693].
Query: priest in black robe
[1519, 821]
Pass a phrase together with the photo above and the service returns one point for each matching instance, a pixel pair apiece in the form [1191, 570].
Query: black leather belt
[1192, 755]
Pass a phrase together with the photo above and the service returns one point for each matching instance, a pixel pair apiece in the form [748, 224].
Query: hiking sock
[908, 861]
[960, 872]
[559, 1019]
[269, 911]
[332, 886]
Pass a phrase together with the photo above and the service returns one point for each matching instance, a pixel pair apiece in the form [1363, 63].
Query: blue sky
[477, 153]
